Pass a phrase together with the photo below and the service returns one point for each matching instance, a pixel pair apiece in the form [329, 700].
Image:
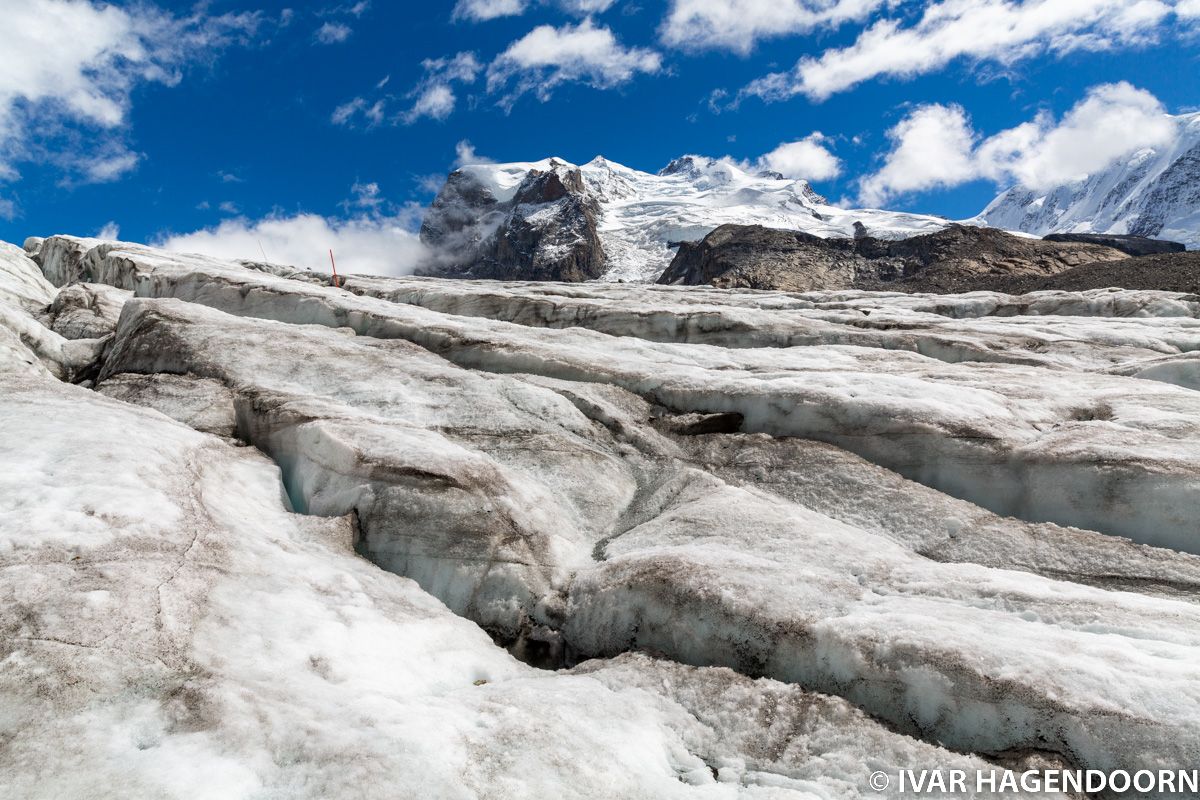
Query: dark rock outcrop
[1132, 245]
[956, 259]
[754, 257]
[545, 232]
[1167, 272]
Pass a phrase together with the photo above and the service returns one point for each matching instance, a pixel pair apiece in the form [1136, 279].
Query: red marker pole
[336, 283]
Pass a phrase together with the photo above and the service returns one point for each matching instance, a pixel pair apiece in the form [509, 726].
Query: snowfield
[264, 538]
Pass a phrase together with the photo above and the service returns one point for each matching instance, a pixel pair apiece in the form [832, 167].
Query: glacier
[265, 537]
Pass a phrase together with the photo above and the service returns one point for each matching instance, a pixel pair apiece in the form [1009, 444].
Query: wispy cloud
[484, 10]
[1003, 31]
[70, 70]
[738, 25]
[347, 112]
[434, 95]
[464, 153]
[332, 33]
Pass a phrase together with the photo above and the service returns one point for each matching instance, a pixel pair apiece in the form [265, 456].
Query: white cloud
[932, 147]
[1112, 121]
[436, 102]
[738, 25]
[538, 62]
[434, 96]
[346, 112]
[107, 167]
[333, 33]
[807, 158]
[376, 244]
[585, 7]
[366, 195]
[483, 10]
[110, 232]
[73, 64]
[935, 145]
[1004, 31]
[228, 207]
[464, 153]
[547, 57]
[374, 237]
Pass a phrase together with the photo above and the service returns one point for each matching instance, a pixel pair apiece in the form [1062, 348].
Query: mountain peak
[685, 165]
[1152, 192]
[606, 220]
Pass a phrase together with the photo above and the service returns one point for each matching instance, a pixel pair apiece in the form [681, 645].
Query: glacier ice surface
[862, 528]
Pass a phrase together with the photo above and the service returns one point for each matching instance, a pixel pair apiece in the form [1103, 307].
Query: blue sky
[175, 118]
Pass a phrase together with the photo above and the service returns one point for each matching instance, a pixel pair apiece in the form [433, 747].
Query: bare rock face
[958, 258]
[545, 231]
[754, 257]
[1166, 272]
[1132, 245]
[955, 259]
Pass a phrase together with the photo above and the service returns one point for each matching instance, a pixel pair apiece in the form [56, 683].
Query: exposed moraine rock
[1133, 245]
[1166, 272]
[754, 257]
[957, 258]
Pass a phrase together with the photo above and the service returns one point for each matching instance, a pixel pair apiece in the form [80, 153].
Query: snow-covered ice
[171, 628]
[853, 529]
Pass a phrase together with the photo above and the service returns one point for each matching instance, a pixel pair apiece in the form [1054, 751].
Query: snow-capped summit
[1153, 192]
[607, 221]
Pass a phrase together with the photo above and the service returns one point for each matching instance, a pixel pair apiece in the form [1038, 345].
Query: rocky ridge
[547, 229]
[958, 258]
